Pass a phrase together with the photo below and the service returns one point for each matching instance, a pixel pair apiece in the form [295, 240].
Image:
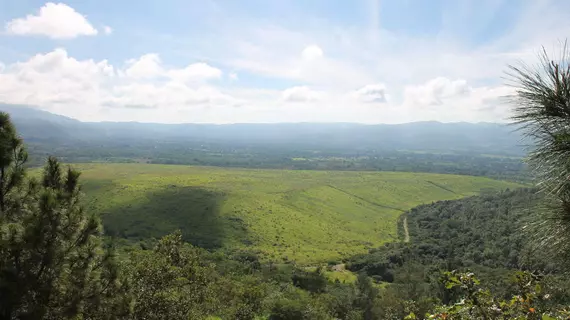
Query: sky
[246, 61]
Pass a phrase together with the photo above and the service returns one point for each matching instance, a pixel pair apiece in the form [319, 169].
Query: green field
[305, 216]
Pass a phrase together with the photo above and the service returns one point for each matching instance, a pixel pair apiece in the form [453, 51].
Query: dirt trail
[406, 232]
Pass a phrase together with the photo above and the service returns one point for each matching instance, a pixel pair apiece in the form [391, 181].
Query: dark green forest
[483, 234]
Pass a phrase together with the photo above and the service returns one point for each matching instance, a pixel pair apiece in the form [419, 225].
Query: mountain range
[39, 126]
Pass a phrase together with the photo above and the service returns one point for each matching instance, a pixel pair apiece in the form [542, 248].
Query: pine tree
[52, 262]
[13, 155]
[542, 109]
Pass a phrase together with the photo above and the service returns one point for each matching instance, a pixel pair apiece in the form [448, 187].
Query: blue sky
[368, 61]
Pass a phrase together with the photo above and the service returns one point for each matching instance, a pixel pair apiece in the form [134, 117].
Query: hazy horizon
[9, 108]
[220, 61]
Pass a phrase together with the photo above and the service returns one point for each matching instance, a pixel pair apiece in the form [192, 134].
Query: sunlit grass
[302, 216]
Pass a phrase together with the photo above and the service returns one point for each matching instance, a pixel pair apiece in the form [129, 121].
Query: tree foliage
[13, 155]
[52, 264]
[482, 233]
[529, 301]
[542, 109]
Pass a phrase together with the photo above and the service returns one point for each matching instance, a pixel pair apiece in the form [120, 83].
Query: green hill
[306, 216]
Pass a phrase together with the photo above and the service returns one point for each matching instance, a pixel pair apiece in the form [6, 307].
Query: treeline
[285, 157]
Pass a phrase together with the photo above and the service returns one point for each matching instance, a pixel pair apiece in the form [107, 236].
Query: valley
[282, 215]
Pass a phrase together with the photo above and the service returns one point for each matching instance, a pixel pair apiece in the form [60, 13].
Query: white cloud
[167, 96]
[54, 20]
[301, 94]
[273, 52]
[279, 60]
[448, 75]
[312, 52]
[371, 93]
[484, 103]
[435, 91]
[55, 80]
[143, 90]
[86, 88]
[195, 71]
[107, 30]
[145, 67]
[150, 66]
[358, 54]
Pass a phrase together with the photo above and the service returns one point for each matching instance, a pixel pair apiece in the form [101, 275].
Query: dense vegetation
[302, 216]
[483, 234]
[542, 110]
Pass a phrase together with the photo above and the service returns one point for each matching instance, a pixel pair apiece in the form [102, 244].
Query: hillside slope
[486, 234]
[306, 216]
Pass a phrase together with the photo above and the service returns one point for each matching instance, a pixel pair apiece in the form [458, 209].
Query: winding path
[406, 232]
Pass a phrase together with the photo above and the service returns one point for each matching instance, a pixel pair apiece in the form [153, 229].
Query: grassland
[305, 216]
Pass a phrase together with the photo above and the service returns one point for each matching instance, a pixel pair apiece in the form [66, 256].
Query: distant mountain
[36, 125]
